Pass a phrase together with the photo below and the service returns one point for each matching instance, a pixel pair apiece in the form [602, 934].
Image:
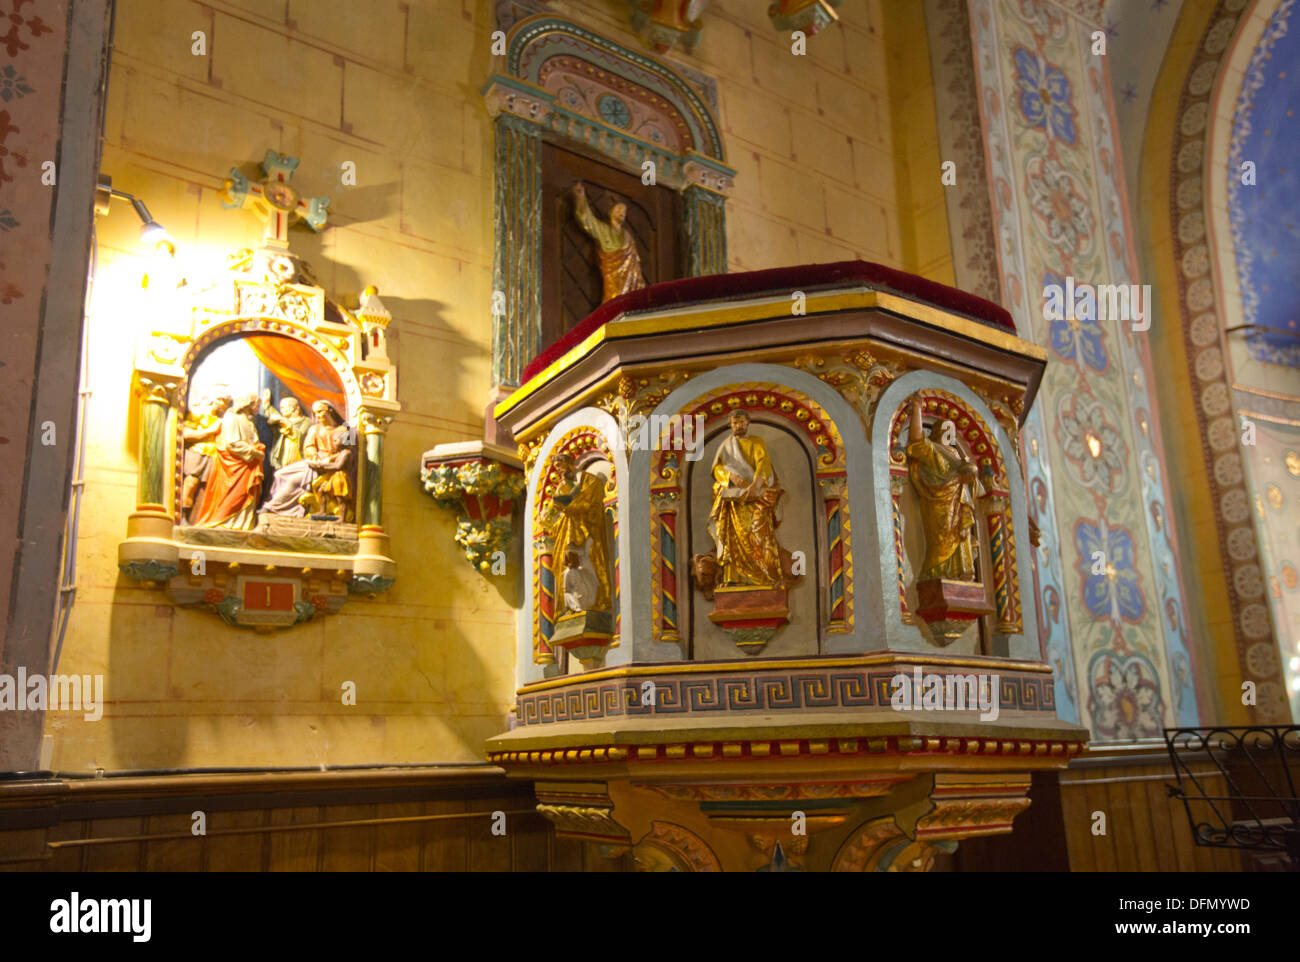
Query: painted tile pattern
[1096, 477]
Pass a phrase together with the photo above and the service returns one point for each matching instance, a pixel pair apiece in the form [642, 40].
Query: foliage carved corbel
[482, 482]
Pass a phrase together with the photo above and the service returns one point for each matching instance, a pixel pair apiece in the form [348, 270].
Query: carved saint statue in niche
[320, 481]
[744, 515]
[199, 430]
[235, 480]
[943, 478]
[575, 520]
[620, 264]
[292, 422]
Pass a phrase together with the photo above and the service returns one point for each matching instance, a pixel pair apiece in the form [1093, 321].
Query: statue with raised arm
[941, 476]
[575, 518]
[620, 264]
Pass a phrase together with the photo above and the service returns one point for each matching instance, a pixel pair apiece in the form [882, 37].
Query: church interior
[632, 435]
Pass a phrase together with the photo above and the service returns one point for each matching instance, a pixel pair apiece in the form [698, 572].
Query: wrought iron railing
[1249, 800]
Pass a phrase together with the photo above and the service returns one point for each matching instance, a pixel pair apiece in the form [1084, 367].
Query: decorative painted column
[151, 521]
[373, 572]
[516, 277]
[151, 483]
[544, 623]
[373, 428]
[663, 560]
[838, 562]
[706, 231]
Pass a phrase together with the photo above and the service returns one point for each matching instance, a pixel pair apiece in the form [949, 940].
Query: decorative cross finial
[275, 199]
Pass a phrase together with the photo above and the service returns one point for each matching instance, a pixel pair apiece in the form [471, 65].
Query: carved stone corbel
[482, 482]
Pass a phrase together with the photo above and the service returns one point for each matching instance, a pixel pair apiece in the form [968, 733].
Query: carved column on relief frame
[516, 295]
[1096, 474]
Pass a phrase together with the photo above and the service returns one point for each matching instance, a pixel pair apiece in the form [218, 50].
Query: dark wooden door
[571, 282]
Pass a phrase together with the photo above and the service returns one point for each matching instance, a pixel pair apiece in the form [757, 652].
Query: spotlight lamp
[152, 233]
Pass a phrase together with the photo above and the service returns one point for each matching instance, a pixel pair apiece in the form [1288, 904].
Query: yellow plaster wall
[922, 206]
[392, 86]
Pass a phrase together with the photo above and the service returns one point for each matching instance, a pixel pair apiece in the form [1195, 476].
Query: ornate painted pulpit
[778, 588]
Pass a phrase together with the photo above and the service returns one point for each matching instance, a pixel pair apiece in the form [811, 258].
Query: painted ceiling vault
[1264, 215]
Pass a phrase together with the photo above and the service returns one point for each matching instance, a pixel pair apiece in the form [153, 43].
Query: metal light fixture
[152, 233]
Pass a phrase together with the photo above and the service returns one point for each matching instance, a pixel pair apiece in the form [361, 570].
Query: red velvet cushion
[809, 277]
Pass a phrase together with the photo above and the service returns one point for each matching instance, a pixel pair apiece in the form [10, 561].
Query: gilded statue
[620, 264]
[199, 430]
[235, 480]
[744, 517]
[292, 422]
[320, 482]
[942, 477]
[575, 520]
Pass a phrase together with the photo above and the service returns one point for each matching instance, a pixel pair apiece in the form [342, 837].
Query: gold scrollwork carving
[859, 377]
[638, 396]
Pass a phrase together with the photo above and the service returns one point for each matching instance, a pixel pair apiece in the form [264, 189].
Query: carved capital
[161, 390]
[372, 423]
[509, 103]
[809, 16]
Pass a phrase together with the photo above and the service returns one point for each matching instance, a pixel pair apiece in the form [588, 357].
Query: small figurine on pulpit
[749, 576]
[942, 477]
[744, 515]
[949, 599]
[575, 519]
[578, 586]
[620, 264]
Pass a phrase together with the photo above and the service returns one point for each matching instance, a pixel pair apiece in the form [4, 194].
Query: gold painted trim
[1271, 418]
[773, 355]
[1275, 395]
[689, 668]
[661, 322]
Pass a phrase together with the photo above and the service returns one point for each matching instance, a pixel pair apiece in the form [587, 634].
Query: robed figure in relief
[744, 516]
[319, 481]
[235, 480]
[575, 520]
[620, 264]
[292, 424]
[199, 430]
[942, 477]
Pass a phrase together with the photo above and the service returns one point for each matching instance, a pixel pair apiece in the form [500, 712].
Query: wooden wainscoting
[394, 819]
[1146, 830]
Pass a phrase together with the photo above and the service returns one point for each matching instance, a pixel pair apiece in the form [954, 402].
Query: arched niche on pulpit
[952, 514]
[798, 544]
[576, 533]
[803, 594]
